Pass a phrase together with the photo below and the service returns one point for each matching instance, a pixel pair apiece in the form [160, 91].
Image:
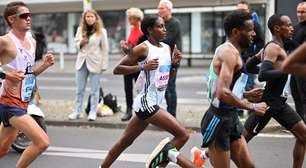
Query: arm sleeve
[267, 72]
[251, 65]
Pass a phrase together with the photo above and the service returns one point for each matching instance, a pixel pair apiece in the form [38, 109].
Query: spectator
[135, 17]
[173, 39]
[255, 47]
[92, 60]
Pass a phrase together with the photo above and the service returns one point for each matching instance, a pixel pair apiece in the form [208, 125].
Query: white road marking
[127, 157]
[269, 135]
[94, 154]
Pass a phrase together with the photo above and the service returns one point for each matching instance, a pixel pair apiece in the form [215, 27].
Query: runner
[19, 45]
[277, 85]
[155, 62]
[220, 127]
[296, 61]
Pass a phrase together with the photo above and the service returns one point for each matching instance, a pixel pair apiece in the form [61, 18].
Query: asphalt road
[80, 147]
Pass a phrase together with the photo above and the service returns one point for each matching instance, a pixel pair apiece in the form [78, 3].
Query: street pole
[87, 5]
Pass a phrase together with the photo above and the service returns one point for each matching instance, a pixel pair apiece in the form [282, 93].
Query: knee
[251, 164]
[302, 137]
[43, 144]
[184, 137]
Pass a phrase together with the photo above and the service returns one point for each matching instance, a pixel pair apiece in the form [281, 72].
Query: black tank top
[274, 88]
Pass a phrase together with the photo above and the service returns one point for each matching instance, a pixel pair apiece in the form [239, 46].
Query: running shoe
[75, 115]
[160, 154]
[197, 157]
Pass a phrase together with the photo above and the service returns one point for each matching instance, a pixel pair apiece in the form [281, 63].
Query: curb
[267, 129]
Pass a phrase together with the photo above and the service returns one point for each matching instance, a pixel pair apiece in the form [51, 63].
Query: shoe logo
[254, 130]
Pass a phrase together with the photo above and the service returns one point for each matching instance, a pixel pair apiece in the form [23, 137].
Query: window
[114, 22]
[185, 20]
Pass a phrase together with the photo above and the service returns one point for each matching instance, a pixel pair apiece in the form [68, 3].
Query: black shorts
[283, 114]
[147, 113]
[220, 127]
[7, 112]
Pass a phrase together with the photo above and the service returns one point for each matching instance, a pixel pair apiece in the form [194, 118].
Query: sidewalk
[189, 115]
[56, 114]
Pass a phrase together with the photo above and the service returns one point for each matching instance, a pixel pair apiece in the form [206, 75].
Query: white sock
[204, 154]
[172, 155]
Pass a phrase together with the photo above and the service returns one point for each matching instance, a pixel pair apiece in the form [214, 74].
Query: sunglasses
[23, 15]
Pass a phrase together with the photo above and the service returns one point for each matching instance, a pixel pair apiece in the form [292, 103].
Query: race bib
[27, 88]
[162, 77]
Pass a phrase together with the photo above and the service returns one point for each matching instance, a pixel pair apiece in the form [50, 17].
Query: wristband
[142, 67]
[253, 106]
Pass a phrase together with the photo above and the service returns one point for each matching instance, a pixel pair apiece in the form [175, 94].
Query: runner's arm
[128, 64]
[5, 56]
[251, 65]
[223, 92]
[296, 62]
[267, 72]
[48, 60]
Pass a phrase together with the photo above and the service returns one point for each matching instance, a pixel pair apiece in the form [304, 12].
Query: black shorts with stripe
[220, 127]
[147, 112]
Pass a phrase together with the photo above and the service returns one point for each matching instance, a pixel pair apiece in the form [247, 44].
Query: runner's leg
[218, 157]
[134, 128]
[32, 130]
[298, 154]
[240, 154]
[299, 130]
[7, 137]
[165, 120]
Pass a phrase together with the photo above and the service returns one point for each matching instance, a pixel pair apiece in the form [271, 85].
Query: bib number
[28, 85]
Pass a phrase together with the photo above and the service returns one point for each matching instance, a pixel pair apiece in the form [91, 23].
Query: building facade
[201, 20]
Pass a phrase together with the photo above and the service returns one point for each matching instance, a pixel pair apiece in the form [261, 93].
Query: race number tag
[162, 77]
[28, 85]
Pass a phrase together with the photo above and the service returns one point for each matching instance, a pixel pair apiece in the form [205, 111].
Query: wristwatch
[2, 75]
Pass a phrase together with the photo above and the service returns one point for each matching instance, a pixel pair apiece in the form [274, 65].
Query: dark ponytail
[147, 22]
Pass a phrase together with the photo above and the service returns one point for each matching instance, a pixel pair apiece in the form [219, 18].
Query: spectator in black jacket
[173, 39]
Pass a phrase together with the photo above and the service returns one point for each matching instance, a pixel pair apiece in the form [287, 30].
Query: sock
[204, 154]
[172, 155]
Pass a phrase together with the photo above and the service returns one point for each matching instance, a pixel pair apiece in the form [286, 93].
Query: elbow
[221, 94]
[116, 71]
[285, 67]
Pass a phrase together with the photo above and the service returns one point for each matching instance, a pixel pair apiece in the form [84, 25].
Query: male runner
[296, 62]
[221, 128]
[276, 89]
[18, 46]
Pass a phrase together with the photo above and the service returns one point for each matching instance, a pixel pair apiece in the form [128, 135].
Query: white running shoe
[92, 116]
[75, 115]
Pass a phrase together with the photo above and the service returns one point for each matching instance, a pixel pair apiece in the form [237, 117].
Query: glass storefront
[115, 25]
[185, 20]
[60, 28]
